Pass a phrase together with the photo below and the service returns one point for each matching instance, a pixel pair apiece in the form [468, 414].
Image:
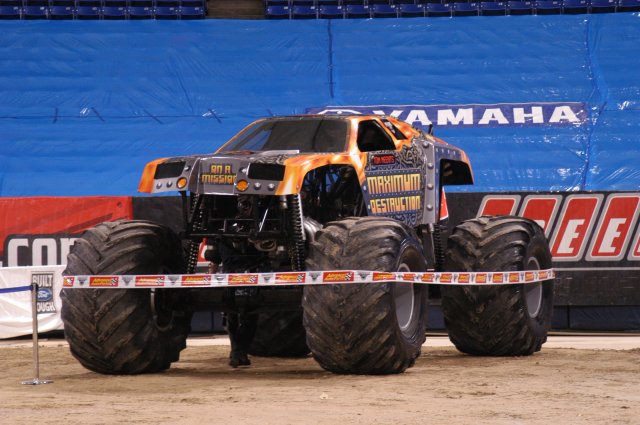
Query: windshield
[304, 135]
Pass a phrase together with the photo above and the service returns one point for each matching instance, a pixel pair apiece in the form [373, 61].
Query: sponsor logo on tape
[290, 277]
[383, 276]
[545, 275]
[196, 280]
[408, 276]
[243, 279]
[103, 281]
[428, 278]
[338, 276]
[446, 278]
[149, 281]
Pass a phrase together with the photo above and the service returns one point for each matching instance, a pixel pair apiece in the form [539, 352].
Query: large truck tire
[124, 331]
[280, 334]
[366, 328]
[509, 320]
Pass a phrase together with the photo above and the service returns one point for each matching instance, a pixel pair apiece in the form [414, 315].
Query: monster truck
[309, 193]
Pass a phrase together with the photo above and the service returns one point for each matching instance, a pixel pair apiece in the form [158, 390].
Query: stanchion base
[37, 381]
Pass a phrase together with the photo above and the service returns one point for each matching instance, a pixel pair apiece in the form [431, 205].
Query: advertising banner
[39, 231]
[16, 317]
[594, 239]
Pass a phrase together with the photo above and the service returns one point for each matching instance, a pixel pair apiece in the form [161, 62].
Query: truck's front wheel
[124, 331]
[366, 328]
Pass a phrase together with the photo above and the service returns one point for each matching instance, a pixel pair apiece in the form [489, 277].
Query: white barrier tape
[329, 277]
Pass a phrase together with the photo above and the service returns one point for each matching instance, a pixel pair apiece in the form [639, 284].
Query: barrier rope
[329, 277]
[16, 289]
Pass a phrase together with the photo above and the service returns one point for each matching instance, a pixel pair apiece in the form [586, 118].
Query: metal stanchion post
[36, 356]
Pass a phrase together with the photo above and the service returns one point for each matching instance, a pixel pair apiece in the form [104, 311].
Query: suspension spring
[438, 248]
[197, 217]
[296, 244]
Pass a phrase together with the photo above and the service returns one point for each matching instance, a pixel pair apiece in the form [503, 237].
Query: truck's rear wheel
[510, 320]
[280, 334]
[124, 331]
[366, 328]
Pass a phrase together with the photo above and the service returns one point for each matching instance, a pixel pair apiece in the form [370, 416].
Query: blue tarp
[84, 105]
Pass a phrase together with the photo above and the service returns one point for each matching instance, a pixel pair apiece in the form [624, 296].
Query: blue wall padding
[84, 105]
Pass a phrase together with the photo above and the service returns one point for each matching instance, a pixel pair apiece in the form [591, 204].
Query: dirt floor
[559, 386]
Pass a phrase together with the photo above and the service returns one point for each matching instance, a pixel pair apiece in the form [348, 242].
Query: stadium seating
[304, 12]
[628, 5]
[276, 11]
[306, 9]
[105, 9]
[411, 10]
[603, 6]
[332, 9]
[88, 12]
[357, 11]
[385, 10]
[330, 12]
[493, 8]
[10, 12]
[575, 6]
[114, 12]
[61, 12]
[35, 12]
[166, 12]
[192, 12]
[546, 7]
[464, 9]
[133, 3]
[140, 12]
[438, 10]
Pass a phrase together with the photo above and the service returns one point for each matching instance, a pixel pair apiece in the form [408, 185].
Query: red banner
[40, 230]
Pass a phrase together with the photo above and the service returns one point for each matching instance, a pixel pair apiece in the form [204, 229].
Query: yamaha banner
[491, 115]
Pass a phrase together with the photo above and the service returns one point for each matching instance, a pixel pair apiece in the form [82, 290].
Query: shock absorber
[296, 244]
[197, 217]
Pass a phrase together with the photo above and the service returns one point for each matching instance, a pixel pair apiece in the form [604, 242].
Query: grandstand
[298, 9]
[336, 9]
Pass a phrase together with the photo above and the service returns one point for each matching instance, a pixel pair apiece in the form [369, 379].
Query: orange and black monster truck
[311, 192]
